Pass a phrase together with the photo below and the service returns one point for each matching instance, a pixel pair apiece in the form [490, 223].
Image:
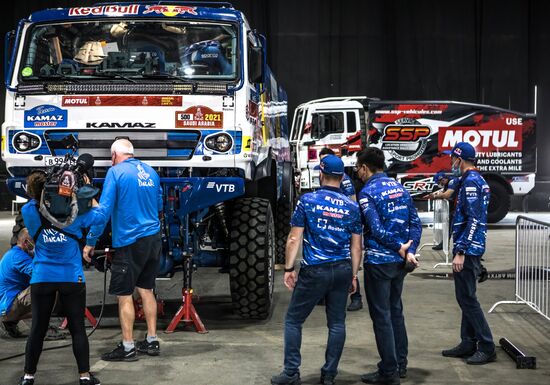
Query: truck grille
[148, 144]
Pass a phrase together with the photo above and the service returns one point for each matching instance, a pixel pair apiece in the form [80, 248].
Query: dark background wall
[485, 51]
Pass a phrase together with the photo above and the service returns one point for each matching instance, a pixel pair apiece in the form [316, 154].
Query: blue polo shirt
[329, 218]
[15, 276]
[132, 198]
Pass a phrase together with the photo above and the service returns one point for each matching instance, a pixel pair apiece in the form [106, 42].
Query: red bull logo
[170, 10]
[109, 10]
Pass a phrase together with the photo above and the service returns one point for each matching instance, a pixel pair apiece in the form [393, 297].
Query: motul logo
[405, 133]
[509, 139]
[75, 101]
[120, 125]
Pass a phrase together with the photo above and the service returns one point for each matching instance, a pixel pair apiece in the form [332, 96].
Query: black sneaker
[285, 379]
[355, 305]
[462, 350]
[378, 378]
[26, 381]
[150, 348]
[93, 380]
[327, 379]
[119, 354]
[402, 372]
[481, 358]
[438, 247]
[10, 329]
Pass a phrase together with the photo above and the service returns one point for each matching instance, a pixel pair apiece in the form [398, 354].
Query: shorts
[135, 265]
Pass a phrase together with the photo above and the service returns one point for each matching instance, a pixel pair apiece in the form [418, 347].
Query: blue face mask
[456, 168]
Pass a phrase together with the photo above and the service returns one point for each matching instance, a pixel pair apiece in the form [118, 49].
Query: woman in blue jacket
[57, 270]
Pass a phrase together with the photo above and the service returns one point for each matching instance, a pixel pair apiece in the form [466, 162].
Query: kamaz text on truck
[190, 87]
[414, 136]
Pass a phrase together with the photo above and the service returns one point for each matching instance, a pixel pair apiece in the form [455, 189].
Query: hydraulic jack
[187, 312]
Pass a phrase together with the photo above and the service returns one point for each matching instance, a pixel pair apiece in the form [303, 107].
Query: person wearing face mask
[391, 236]
[469, 236]
[132, 199]
[15, 278]
[448, 185]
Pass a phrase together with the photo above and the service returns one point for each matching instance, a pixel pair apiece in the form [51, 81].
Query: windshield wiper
[58, 77]
[108, 75]
[165, 75]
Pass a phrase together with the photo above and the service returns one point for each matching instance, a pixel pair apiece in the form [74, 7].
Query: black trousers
[72, 298]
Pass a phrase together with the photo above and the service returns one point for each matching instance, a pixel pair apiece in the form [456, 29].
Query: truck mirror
[255, 64]
[9, 41]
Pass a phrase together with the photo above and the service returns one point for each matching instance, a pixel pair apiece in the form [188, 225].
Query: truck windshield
[130, 49]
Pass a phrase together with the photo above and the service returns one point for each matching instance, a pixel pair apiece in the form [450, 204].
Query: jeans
[329, 280]
[474, 327]
[383, 287]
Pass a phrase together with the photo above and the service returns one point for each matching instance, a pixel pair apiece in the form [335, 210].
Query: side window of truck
[352, 121]
[327, 123]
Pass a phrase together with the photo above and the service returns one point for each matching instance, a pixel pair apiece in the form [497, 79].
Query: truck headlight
[221, 142]
[25, 141]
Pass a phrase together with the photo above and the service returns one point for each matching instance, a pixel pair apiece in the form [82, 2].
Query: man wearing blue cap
[448, 187]
[469, 236]
[330, 224]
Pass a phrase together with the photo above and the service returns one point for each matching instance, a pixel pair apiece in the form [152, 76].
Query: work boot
[355, 304]
[378, 378]
[438, 247]
[481, 358]
[150, 348]
[10, 329]
[54, 334]
[92, 380]
[327, 379]
[285, 379]
[462, 350]
[119, 354]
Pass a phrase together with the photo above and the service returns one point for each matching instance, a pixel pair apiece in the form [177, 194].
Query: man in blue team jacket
[330, 225]
[469, 236]
[391, 235]
[132, 198]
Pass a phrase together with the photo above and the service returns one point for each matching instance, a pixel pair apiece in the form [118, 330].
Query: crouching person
[15, 277]
[330, 225]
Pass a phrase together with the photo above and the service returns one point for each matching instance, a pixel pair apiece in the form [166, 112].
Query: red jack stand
[89, 316]
[187, 313]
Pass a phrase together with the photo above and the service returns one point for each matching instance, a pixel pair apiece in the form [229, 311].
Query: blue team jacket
[329, 218]
[57, 257]
[15, 276]
[132, 198]
[390, 219]
[470, 219]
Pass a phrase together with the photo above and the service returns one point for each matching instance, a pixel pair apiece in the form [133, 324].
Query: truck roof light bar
[120, 88]
[211, 88]
[31, 88]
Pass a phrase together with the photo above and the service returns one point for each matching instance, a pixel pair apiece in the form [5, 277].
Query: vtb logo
[407, 133]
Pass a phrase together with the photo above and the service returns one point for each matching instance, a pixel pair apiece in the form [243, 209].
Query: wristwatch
[289, 270]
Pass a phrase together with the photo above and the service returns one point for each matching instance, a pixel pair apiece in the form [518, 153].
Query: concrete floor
[243, 352]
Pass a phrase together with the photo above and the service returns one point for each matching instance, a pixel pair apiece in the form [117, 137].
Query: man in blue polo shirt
[15, 277]
[392, 234]
[330, 224]
[132, 198]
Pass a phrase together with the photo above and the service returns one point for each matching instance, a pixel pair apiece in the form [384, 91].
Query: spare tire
[251, 258]
[499, 203]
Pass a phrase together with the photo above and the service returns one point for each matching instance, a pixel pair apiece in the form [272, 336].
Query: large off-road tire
[251, 257]
[499, 203]
[16, 229]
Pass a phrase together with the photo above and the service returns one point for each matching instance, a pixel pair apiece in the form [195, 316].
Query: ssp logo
[406, 139]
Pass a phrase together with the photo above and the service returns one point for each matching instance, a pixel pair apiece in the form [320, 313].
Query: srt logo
[420, 186]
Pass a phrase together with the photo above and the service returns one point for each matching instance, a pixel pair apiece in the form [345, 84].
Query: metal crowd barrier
[440, 229]
[532, 265]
